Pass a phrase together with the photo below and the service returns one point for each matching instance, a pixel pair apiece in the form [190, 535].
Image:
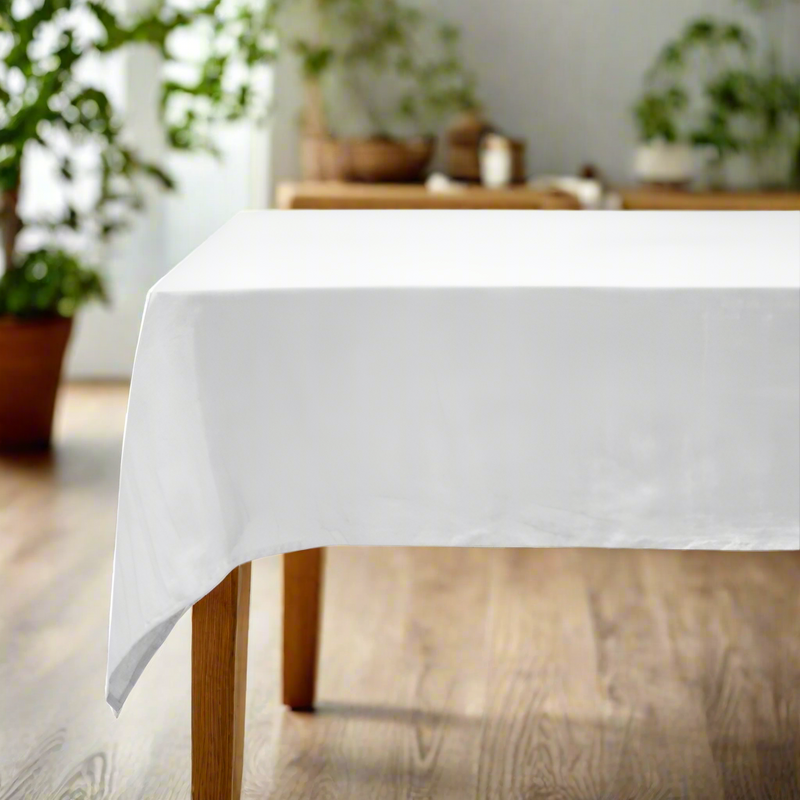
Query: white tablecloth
[526, 379]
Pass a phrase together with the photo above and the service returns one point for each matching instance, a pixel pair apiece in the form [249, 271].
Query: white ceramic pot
[666, 162]
[496, 162]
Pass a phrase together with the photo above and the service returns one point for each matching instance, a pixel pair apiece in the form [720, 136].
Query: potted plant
[47, 104]
[390, 72]
[746, 108]
[665, 154]
[756, 114]
[670, 150]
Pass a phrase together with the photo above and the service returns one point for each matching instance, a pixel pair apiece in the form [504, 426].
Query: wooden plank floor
[558, 675]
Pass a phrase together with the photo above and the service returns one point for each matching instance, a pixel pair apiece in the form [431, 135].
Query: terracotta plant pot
[31, 354]
[373, 160]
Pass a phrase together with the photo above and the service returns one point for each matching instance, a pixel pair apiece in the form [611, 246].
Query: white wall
[209, 192]
[561, 74]
[104, 338]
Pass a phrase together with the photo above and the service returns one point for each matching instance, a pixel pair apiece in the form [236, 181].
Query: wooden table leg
[302, 594]
[219, 676]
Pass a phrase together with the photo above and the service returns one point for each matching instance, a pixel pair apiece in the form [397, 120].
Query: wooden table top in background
[658, 199]
[337, 195]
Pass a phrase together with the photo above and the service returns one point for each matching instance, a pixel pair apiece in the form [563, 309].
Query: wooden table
[220, 618]
[337, 195]
[303, 570]
[660, 199]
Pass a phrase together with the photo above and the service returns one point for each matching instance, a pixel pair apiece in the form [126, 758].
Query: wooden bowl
[373, 160]
[388, 160]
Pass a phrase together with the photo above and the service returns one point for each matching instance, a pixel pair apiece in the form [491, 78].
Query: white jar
[496, 161]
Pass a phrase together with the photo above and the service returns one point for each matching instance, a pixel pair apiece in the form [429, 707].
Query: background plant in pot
[667, 116]
[380, 77]
[47, 104]
[710, 97]
[666, 153]
[757, 115]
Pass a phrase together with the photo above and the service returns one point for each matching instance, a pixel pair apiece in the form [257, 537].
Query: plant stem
[314, 122]
[10, 224]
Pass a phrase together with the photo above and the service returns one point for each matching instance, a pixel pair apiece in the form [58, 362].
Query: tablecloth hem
[125, 675]
[127, 672]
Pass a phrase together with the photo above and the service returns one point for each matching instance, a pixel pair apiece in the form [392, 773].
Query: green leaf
[49, 282]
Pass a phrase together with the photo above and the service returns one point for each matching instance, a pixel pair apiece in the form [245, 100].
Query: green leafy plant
[745, 106]
[757, 113]
[657, 114]
[769, 5]
[48, 282]
[45, 102]
[402, 68]
[662, 110]
[721, 40]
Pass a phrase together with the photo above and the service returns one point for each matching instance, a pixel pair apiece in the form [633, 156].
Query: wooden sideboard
[653, 198]
[333, 195]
